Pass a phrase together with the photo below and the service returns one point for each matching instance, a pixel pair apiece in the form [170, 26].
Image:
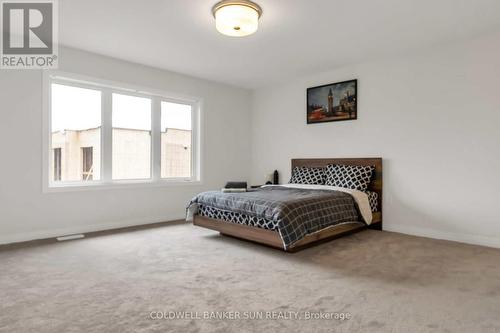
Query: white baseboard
[53, 233]
[462, 238]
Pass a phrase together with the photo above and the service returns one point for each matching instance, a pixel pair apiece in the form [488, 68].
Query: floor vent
[70, 237]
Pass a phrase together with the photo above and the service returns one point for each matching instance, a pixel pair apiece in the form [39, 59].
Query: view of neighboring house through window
[175, 140]
[131, 137]
[88, 163]
[76, 133]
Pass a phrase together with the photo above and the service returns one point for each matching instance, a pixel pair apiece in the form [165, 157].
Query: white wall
[27, 213]
[434, 117]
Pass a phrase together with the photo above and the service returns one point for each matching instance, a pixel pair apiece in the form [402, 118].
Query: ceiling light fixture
[236, 18]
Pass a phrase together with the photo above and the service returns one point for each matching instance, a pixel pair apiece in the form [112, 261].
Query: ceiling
[296, 37]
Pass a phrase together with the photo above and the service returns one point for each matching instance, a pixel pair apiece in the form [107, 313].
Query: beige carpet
[386, 282]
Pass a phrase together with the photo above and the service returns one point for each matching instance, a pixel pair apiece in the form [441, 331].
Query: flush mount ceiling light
[236, 18]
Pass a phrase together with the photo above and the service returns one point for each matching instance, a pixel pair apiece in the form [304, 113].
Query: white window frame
[107, 88]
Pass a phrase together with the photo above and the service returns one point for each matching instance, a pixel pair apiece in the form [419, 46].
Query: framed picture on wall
[332, 102]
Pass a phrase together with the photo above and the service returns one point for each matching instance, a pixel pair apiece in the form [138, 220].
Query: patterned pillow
[355, 177]
[373, 200]
[305, 175]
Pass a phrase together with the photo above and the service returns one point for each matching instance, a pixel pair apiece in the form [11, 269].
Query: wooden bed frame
[273, 239]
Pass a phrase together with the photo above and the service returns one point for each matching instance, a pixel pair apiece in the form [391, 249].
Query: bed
[313, 213]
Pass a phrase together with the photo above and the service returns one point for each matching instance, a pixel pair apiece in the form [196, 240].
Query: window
[76, 123]
[57, 164]
[175, 140]
[131, 137]
[100, 133]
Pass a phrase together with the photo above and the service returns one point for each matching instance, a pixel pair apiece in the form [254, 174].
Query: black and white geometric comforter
[293, 210]
[237, 218]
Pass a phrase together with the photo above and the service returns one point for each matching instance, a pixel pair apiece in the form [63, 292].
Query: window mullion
[195, 142]
[107, 136]
[156, 138]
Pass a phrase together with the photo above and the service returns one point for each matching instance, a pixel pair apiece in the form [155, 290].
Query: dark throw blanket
[298, 212]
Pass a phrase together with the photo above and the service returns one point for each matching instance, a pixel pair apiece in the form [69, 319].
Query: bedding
[237, 218]
[307, 175]
[356, 177]
[259, 222]
[294, 210]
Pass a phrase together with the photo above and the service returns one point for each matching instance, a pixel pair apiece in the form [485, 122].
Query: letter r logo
[27, 27]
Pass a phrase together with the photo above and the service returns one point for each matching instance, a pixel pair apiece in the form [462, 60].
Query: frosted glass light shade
[236, 18]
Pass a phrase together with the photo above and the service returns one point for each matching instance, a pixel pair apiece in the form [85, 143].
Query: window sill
[120, 184]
